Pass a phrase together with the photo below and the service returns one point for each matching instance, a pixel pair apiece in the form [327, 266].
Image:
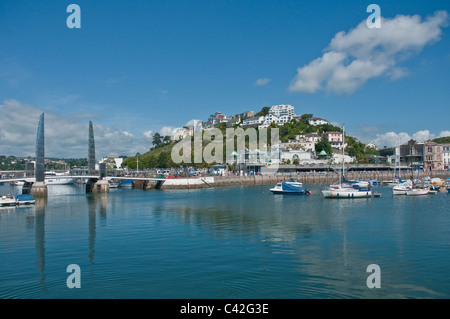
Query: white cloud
[444, 134]
[167, 130]
[422, 136]
[390, 139]
[353, 58]
[148, 134]
[262, 81]
[65, 135]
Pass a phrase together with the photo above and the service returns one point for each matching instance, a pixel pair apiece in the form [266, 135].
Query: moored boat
[286, 188]
[128, 183]
[346, 192]
[25, 199]
[401, 188]
[358, 189]
[417, 191]
[7, 201]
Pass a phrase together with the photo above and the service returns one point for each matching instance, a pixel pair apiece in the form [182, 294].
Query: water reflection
[242, 242]
[39, 228]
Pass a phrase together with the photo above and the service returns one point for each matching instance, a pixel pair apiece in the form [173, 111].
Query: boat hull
[25, 199]
[7, 201]
[346, 194]
[281, 192]
[417, 192]
[399, 191]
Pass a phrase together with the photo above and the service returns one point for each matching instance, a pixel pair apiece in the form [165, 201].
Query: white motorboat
[52, 178]
[7, 201]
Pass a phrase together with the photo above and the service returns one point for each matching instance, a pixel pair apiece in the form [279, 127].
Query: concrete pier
[39, 190]
[101, 186]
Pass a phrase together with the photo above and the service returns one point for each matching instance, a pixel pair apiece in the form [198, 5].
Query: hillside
[442, 140]
[160, 156]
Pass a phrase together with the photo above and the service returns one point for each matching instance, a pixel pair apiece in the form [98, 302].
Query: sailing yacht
[346, 191]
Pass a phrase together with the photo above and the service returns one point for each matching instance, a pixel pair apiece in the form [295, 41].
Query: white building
[291, 155]
[446, 155]
[318, 121]
[334, 138]
[310, 137]
[112, 161]
[254, 121]
[280, 110]
[337, 158]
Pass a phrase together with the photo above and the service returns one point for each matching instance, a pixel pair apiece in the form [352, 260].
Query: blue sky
[139, 67]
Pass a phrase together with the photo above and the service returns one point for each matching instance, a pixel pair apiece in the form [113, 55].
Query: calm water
[238, 242]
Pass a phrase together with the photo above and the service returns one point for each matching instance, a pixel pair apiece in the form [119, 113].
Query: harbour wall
[305, 178]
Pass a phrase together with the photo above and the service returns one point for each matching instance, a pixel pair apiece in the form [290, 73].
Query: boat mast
[343, 145]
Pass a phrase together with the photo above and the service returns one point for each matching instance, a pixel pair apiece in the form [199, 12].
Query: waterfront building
[337, 158]
[411, 153]
[295, 156]
[432, 156]
[112, 161]
[446, 155]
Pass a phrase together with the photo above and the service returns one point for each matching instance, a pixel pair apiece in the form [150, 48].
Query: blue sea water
[234, 242]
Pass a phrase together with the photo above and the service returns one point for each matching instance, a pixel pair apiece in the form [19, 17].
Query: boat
[18, 183]
[7, 201]
[128, 183]
[346, 192]
[374, 181]
[294, 182]
[25, 199]
[287, 188]
[401, 188]
[417, 191]
[342, 190]
[113, 183]
[356, 181]
[52, 178]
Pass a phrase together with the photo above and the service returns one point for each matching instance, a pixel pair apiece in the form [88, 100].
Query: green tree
[264, 111]
[157, 139]
[324, 145]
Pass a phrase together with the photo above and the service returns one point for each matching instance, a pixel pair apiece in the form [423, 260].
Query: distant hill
[442, 140]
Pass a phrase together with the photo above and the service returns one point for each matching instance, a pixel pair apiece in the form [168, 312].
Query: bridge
[95, 182]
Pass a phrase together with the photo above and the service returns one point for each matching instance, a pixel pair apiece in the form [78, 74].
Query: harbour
[223, 242]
